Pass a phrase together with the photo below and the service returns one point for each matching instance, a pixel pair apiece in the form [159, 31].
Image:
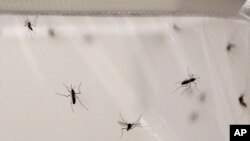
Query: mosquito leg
[195, 85]
[122, 118]
[63, 95]
[122, 132]
[34, 22]
[67, 88]
[189, 85]
[72, 107]
[31, 35]
[82, 103]
[189, 73]
[138, 118]
[26, 21]
[79, 91]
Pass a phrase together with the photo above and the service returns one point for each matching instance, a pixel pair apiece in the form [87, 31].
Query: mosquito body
[128, 126]
[242, 101]
[188, 82]
[30, 24]
[73, 95]
[230, 46]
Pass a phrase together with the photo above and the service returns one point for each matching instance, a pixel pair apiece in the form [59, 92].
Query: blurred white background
[128, 66]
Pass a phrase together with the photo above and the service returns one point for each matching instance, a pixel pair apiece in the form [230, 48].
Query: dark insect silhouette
[230, 46]
[128, 126]
[74, 96]
[188, 82]
[30, 25]
[242, 101]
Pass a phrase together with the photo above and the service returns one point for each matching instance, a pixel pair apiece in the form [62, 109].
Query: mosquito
[230, 46]
[188, 82]
[242, 101]
[30, 24]
[74, 96]
[128, 126]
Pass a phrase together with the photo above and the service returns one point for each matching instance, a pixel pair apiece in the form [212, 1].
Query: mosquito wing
[136, 124]
[122, 123]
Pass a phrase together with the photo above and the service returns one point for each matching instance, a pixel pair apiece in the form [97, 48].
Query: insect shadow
[188, 82]
[30, 24]
[176, 28]
[51, 32]
[73, 95]
[194, 116]
[242, 101]
[128, 126]
[202, 98]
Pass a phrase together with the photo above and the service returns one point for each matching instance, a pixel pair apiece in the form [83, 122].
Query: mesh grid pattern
[122, 7]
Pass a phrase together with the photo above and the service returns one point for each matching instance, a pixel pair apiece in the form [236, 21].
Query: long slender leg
[31, 34]
[122, 132]
[189, 85]
[82, 103]
[26, 21]
[72, 107]
[79, 91]
[63, 95]
[34, 22]
[67, 88]
[195, 85]
[123, 118]
[139, 118]
[137, 123]
[189, 73]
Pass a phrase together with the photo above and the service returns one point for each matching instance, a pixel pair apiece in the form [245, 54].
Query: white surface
[127, 66]
[225, 8]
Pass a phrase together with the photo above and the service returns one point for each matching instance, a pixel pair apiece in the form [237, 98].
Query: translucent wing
[122, 123]
[137, 124]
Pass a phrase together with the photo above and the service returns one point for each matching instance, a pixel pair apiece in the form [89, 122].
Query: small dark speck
[202, 98]
[230, 46]
[194, 116]
[51, 32]
[242, 101]
[88, 38]
[176, 28]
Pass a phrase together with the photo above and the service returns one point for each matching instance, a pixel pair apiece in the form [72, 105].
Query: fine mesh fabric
[225, 8]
